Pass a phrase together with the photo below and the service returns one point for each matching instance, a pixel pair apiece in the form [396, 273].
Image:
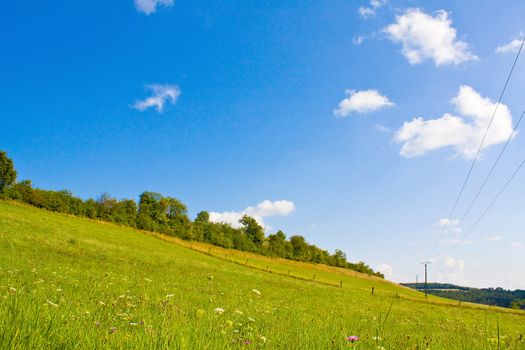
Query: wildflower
[97, 323]
[133, 324]
[251, 319]
[238, 312]
[12, 290]
[352, 338]
[255, 291]
[219, 310]
[113, 330]
[52, 303]
[170, 295]
[247, 342]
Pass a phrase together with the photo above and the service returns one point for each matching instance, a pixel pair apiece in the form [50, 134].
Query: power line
[480, 147]
[487, 208]
[511, 136]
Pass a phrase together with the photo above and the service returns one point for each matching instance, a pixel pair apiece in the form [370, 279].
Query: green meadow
[73, 283]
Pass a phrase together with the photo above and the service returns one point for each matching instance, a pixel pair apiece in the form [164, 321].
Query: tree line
[514, 299]
[168, 215]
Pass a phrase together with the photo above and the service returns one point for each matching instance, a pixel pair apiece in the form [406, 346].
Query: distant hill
[488, 296]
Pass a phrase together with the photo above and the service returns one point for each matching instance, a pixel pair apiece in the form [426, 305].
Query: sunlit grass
[74, 283]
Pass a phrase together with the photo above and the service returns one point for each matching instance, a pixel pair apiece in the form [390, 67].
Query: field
[71, 283]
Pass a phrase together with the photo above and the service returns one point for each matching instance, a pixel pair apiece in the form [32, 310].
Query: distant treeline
[168, 215]
[488, 296]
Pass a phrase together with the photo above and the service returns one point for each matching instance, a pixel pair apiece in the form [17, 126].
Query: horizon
[352, 124]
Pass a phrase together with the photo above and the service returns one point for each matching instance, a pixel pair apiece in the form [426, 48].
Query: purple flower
[247, 342]
[352, 338]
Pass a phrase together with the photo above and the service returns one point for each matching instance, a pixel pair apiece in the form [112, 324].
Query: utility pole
[426, 263]
[417, 282]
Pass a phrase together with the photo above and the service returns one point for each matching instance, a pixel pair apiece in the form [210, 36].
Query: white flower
[219, 310]
[238, 312]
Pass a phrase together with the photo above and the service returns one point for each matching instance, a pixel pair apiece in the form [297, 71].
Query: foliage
[7, 172]
[157, 213]
[488, 296]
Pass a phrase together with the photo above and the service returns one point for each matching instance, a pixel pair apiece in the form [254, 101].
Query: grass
[71, 283]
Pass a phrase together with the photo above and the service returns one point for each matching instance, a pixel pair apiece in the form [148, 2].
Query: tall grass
[70, 283]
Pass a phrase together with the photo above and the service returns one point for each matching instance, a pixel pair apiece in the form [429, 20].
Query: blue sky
[303, 104]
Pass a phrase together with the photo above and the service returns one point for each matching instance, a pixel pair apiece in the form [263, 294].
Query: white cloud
[370, 11]
[517, 245]
[363, 101]
[259, 212]
[161, 94]
[464, 133]
[358, 40]
[448, 222]
[450, 225]
[454, 263]
[385, 269]
[382, 128]
[512, 47]
[425, 36]
[452, 271]
[456, 241]
[494, 238]
[150, 6]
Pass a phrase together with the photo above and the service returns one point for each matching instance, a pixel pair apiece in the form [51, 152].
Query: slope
[67, 282]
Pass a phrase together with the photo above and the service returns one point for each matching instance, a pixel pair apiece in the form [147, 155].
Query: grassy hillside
[67, 282]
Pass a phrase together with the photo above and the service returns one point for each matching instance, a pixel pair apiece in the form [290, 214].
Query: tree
[300, 248]
[339, 258]
[150, 214]
[252, 229]
[7, 172]
[203, 216]
[276, 244]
